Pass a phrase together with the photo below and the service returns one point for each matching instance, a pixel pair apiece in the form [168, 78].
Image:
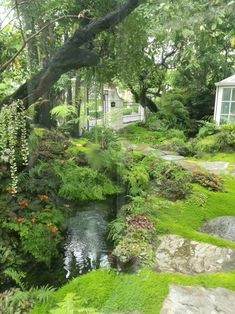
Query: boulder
[176, 254]
[223, 227]
[198, 300]
[217, 167]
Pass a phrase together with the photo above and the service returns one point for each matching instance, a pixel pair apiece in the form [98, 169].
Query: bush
[173, 111]
[173, 182]
[83, 183]
[207, 128]
[136, 244]
[104, 136]
[136, 178]
[209, 180]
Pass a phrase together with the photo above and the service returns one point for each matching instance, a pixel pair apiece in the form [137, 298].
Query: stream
[86, 246]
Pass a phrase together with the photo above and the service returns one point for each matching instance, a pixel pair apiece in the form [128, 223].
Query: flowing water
[86, 246]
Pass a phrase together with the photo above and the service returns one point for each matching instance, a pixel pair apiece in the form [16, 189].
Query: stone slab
[180, 255]
[198, 300]
[218, 167]
[172, 157]
[223, 227]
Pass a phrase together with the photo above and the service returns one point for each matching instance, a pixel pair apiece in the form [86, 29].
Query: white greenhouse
[225, 101]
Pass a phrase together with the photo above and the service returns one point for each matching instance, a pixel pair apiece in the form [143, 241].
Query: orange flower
[49, 225]
[54, 229]
[43, 197]
[10, 190]
[24, 203]
[20, 219]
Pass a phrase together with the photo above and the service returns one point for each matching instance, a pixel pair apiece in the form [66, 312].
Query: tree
[72, 55]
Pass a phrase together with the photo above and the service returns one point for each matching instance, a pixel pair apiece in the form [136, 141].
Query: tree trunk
[70, 56]
[144, 100]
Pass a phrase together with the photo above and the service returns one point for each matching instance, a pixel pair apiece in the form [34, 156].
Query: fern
[41, 294]
[16, 276]
[72, 305]
[63, 111]
[83, 183]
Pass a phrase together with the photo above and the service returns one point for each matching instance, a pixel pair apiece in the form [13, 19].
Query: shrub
[83, 183]
[207, 128]
[209, 180]
[104, 136]
[136, 179]
[136, 245]
[172, 181]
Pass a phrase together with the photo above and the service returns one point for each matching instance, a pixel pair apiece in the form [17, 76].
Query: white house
[117, 109]
[225, 101]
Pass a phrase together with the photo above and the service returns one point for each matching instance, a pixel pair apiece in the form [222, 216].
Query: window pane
[224, 119]
[232, 109]
[226, 93]
[233, 94]
[232, 119]
[225, 107]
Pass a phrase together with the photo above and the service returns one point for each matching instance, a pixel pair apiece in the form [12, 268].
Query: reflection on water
[86, 247]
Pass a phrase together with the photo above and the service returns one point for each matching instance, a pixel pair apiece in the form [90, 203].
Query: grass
[144, 291]
[184, 218]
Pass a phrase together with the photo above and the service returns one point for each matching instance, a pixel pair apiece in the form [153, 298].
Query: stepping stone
[176, 254]
[198, 300]
[223, 227]
[218, 167]
[172, 157]
[188, 165]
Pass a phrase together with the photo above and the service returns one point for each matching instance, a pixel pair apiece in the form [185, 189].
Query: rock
[172, 157]
[198, 300]
[188, 165]
[176, 254]
[169, 152]
[217, 167]
[223, 227]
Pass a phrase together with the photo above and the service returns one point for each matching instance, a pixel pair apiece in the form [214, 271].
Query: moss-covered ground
[111, 292]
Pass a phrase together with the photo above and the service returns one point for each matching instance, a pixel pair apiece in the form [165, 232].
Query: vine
[13, 139]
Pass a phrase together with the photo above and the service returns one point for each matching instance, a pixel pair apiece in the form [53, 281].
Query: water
[86, 246]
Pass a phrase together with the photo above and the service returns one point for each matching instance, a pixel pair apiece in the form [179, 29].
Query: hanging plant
[13, 139]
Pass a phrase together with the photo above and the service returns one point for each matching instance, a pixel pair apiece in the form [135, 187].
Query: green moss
[145, 291]
[228, 156]
[81, 145]
[184, 218]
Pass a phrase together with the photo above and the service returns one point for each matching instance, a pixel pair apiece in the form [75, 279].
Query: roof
[227, 82]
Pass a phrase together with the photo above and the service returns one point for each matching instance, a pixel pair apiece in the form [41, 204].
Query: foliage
[16, 301]
[72, 304]
[13, 139]
[207, 128]
[223, 140]
[172, 181]
[51, 145]
[135, 247]
[41, 179]
[66, 116]
[83, 183]
[104, 136]
[136, 178]
[173, 112]
[208, 180]
[38, 233]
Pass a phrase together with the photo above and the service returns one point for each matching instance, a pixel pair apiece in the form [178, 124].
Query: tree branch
[70, 56]
[5, 65]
